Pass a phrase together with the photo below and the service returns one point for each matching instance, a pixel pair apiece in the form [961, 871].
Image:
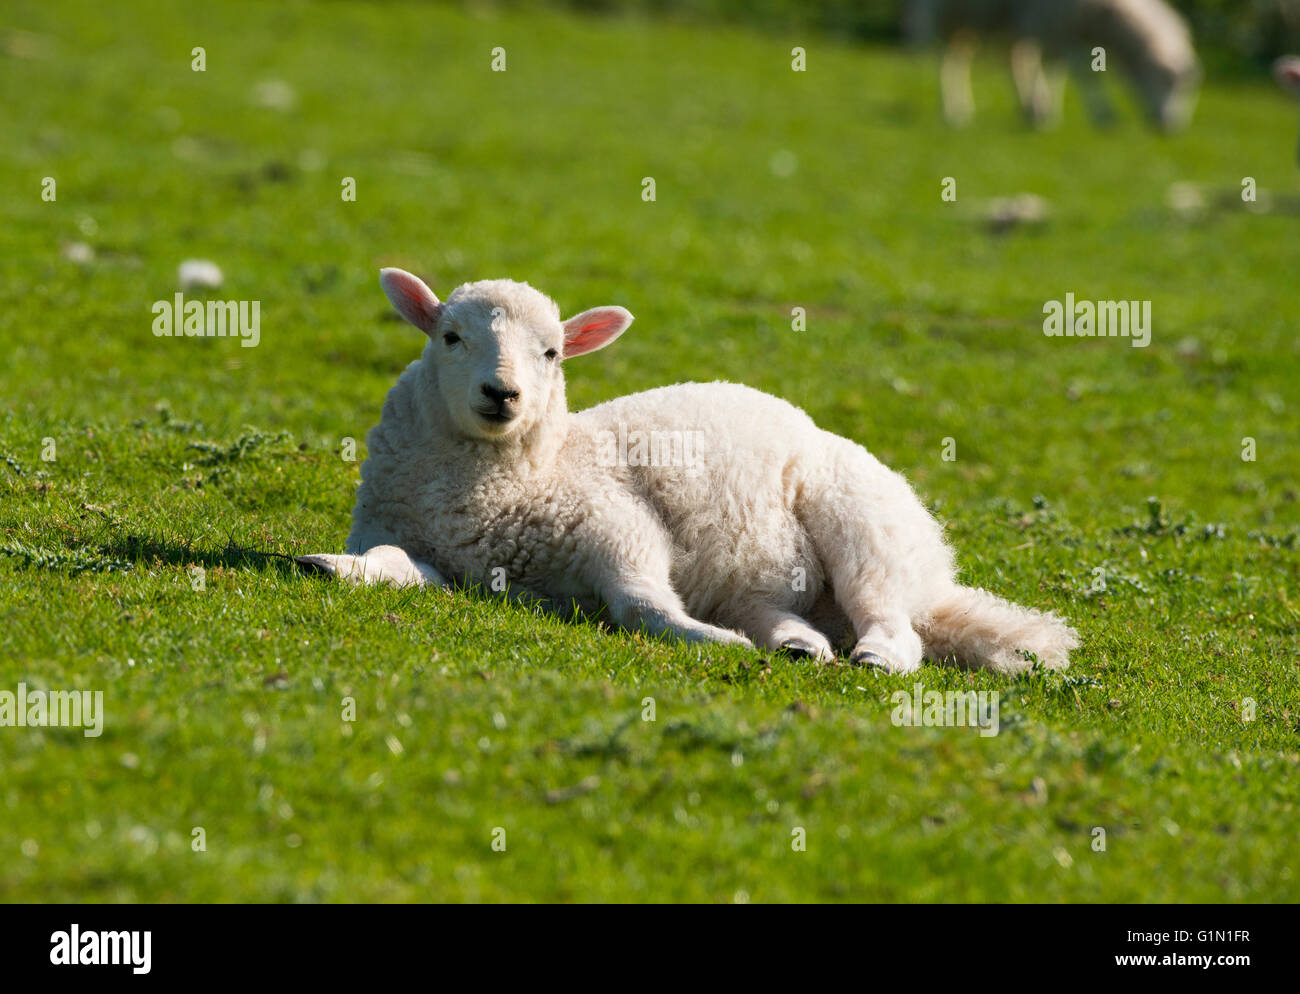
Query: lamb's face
[496, 347]
[1160, 58]
[1168, 92]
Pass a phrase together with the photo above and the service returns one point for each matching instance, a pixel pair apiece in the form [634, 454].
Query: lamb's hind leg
[652, 606]
[881, 550]
[778, 629]
[887, 640]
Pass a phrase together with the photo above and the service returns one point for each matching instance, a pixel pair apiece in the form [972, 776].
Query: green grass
[224, 706]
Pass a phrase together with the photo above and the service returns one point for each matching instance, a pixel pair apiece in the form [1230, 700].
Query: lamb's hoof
[877, 660]
[320, 565]
[799, 649]
[865, 657]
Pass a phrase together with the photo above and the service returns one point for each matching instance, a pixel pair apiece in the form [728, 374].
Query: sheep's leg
[955, 82]
[1026, 65]
[1092, 89]
[882, 552]
[870, 595]
[1039, 90]
[774, 628]
[887, 641]
[657, 610]
[869, 590]
[382, 564]
[1054, 77]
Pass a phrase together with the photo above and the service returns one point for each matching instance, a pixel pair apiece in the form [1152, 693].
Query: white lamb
[795, 537]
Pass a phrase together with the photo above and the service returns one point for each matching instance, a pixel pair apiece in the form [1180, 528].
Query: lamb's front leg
[655, 608]
[382, 564]
[955, 80]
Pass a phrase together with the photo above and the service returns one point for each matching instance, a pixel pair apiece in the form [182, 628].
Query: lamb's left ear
[594, 329]
[412, 298]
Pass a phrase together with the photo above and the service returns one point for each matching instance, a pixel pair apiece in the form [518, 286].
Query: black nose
[499, 397]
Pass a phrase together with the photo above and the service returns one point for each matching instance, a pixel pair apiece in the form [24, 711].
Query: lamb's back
[717, 408]
[730, 504]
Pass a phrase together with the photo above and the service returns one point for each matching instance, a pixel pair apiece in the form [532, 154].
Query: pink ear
[1287, 72]
[594, 329]
[413, 300]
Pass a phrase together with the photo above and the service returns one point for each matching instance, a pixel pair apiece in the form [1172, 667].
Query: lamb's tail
[977, 628]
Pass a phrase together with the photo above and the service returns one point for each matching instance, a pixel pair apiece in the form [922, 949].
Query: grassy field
[128, 460]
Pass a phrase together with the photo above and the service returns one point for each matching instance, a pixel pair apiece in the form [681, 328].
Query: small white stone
[1185, 197]
[78, 252]
[199, 274]
[1022, 209]
[275, 94]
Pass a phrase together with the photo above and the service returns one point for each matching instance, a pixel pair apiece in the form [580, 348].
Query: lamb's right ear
[413, 300]
[1287, 72]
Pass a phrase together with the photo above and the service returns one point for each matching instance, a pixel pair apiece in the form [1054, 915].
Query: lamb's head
[1155, 44]
[1168, 89]
[495, 349]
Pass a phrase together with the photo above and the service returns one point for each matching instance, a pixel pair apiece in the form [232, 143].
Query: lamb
[1148, 39]
[776, 533]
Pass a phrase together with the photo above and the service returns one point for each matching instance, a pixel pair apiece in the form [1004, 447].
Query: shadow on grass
[121, 554]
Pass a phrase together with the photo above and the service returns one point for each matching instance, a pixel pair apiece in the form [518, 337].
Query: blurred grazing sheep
[1147, 39]
[779, 530]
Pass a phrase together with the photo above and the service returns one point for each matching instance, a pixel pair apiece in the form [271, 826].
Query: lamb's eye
[451, 338]
[552, 354]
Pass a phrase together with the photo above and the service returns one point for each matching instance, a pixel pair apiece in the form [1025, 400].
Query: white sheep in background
[1146, 39]
[775, 529]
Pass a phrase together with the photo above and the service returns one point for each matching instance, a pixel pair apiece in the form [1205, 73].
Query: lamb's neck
[531, 457]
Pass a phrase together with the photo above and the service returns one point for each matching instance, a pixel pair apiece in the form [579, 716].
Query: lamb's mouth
[498, 418]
